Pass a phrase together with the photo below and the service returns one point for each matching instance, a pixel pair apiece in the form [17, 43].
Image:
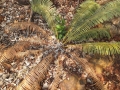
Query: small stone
[88, 80]
[71, 9]
[27, 63]
[1, 83]
[45, 85]
[5, 76]
[1, 72]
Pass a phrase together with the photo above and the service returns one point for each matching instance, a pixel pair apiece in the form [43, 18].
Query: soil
[68, 74]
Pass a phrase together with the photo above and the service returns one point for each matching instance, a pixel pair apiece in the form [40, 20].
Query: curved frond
[92, 33]
[102, 48]
[47, 10]
[85, 10]
[103, 13]
[36, 75]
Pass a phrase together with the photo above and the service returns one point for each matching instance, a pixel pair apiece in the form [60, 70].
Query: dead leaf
[7, 66]
[1, 19]
[71, 83]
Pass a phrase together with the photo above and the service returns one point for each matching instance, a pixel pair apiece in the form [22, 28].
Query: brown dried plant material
[23, 26]
[59, 73]
[12, 52]
[28, 52]
[36, 75]
[116, 21]
[1, 47]
[77, 47]
[1, 18]
[88, 69]
[7, 66]
[56, 81]
[71, 83]
[28, 27]
[28, 31]
[99, 64]
[35, 40]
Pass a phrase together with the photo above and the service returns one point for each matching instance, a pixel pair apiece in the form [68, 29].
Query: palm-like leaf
[102, 48]
[85, 11]
[93, 33]
[104, 13]
[47, 10]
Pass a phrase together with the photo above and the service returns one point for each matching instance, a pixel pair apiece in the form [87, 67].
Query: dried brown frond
[56, 81]
[59, 72]
[28, 31]
[19, 50]
[88, 69]
[35, 40]
[1, 47]
[28, 27]
[36, 75]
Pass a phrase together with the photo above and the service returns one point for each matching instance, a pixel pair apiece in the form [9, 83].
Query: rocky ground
[13, 11]
[13, 72]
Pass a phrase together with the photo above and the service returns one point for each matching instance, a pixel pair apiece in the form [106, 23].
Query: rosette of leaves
[89, 14]
[82, 28]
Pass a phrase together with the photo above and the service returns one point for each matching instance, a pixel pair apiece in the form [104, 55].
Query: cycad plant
[83, 28]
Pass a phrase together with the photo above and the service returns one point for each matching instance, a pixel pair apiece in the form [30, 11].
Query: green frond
[102, 14]
[85, 10]
[95, 33]
[47, 10]
[102, 48]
